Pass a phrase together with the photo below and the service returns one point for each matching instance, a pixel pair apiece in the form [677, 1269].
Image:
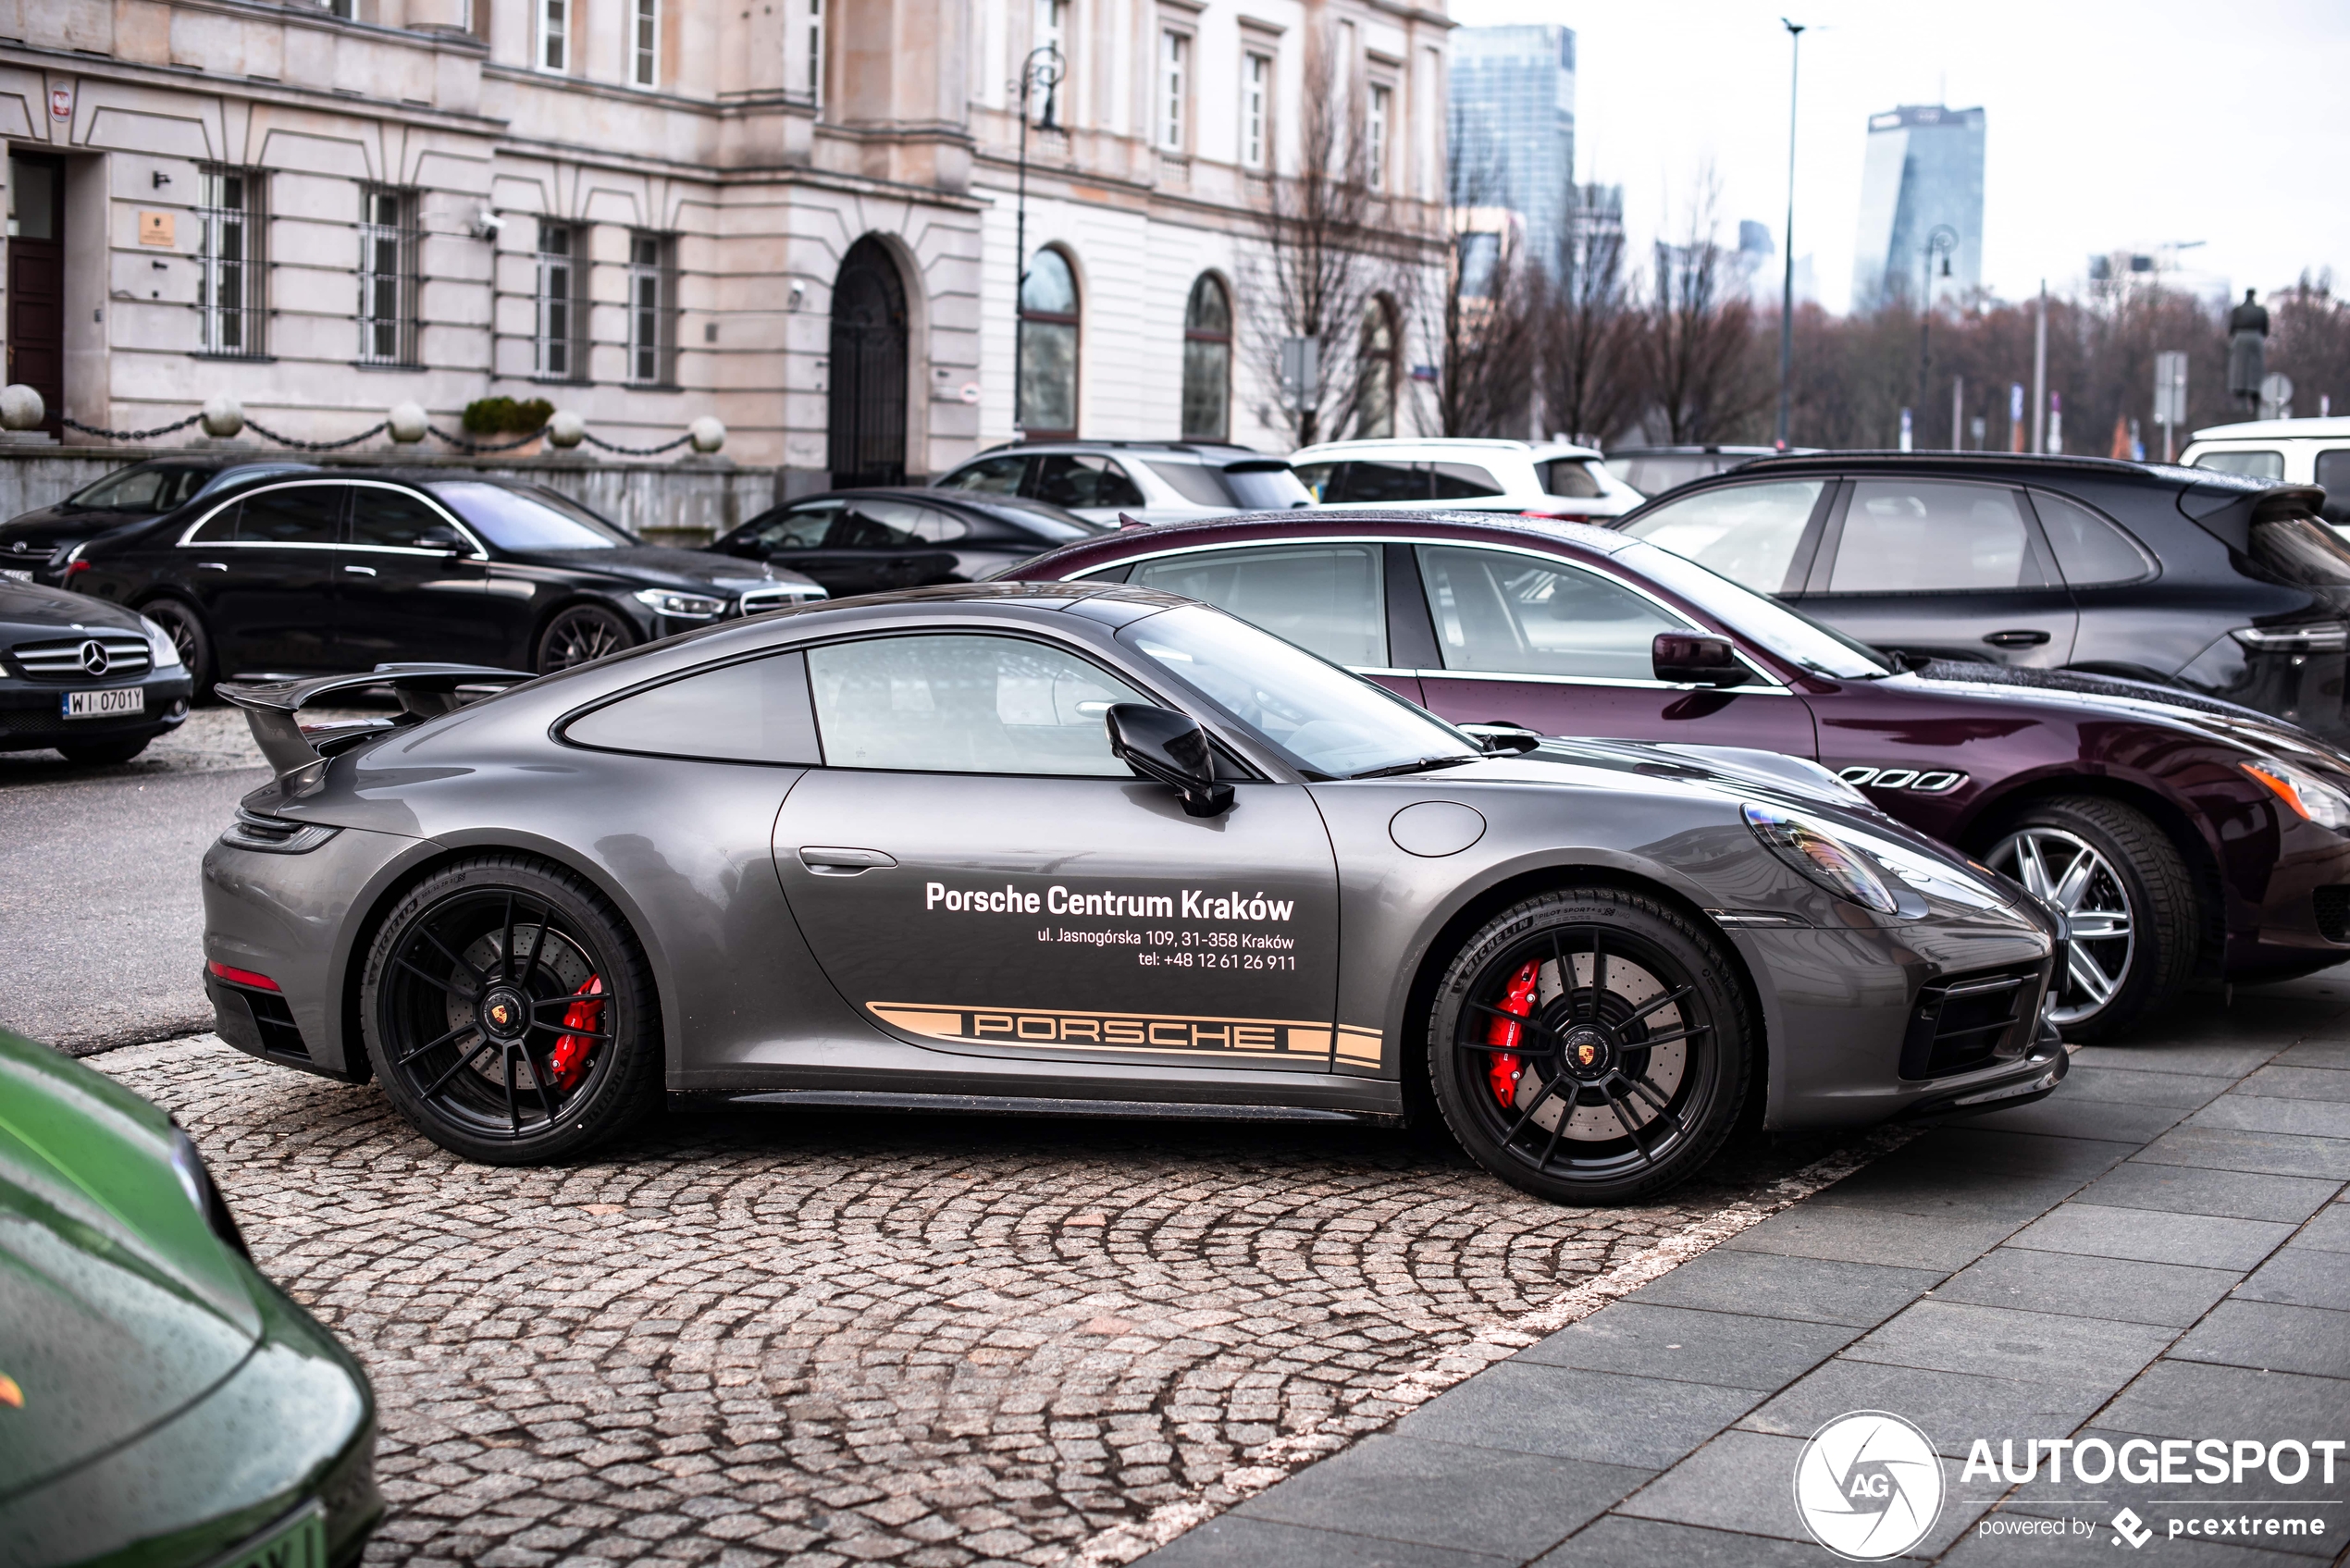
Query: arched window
[1375, 390]
[1207, 360]
[1047, 407]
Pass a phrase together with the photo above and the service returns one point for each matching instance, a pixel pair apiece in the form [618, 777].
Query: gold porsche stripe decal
[1188, 1035]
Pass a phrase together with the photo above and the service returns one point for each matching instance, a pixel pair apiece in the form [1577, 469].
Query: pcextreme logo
[1868, 1486]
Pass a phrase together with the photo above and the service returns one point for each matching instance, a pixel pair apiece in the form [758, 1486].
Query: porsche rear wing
[425, 691]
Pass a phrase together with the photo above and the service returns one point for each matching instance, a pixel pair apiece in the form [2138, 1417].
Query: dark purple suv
[2183, 835]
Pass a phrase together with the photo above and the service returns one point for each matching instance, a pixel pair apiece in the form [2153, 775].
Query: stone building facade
[798, 216]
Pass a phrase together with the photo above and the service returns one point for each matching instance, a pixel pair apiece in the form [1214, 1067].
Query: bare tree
[1700, 338]
[1589, 331]
[1492, 299]
[1327, 250]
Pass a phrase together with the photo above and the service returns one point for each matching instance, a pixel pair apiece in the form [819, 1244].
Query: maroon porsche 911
[2182, 836]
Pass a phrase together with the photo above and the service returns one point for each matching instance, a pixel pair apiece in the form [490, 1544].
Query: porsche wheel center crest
[1589, 1053]
[504, 1012]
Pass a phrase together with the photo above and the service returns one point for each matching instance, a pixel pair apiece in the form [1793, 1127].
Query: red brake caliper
[1519, 1000]
[568, 1064]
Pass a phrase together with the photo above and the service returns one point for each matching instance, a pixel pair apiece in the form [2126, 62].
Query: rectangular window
[562, 296]
[346, 9]
[1256, 95]
[1174, 82]
[1052, 27]
[234, 264]
[644, 42]
[1374, 135]
[554, 35]
[387, 275]
[653, 310]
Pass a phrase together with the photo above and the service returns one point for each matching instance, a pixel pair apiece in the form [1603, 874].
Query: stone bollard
[566, 429]
[407, 423]
[223, 416]
[708, 432]
[21, 408]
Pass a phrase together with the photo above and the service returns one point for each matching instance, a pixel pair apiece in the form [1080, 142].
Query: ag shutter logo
[1868, 1486]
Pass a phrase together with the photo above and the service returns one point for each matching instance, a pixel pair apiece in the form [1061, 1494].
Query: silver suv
[1151, 481]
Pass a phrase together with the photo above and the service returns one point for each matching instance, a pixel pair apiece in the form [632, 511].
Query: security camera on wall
[487, 223]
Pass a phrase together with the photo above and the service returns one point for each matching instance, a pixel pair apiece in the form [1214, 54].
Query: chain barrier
[128, 434]
[638, 452]
[378, 428]
[473, 449]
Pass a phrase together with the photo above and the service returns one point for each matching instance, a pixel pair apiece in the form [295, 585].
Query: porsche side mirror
[1167, 747]
[445, 540]
[1685, 658]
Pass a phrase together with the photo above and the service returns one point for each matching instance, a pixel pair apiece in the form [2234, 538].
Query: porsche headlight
[1820, 858]
[2307, 794]
[681, 607]
[159, 644]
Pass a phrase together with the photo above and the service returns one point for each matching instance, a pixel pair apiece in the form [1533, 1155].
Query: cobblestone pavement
[838, 1339]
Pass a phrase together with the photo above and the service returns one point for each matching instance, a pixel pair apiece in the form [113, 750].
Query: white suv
[2283, 451]
[1149, 481]
[1460, 473]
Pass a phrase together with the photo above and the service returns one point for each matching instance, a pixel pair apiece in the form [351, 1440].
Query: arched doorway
[865, 416]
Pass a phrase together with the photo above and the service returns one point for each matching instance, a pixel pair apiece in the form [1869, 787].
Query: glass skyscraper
[1511, 126]
[1924, 172]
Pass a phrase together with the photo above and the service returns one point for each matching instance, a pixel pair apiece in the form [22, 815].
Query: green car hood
[119, 1307]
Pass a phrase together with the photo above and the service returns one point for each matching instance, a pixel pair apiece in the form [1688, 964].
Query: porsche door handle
[211, 566]
[827, 861]
[361, 571]
[2020, 639]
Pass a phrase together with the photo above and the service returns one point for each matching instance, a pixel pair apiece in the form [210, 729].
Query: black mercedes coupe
[330, 572]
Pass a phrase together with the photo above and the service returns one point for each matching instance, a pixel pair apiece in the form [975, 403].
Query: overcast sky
[2106, 126]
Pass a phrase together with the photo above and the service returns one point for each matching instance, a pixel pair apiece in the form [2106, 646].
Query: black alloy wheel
[185, 627]
[580, 634]
[509, 1013]
[1591, 1045]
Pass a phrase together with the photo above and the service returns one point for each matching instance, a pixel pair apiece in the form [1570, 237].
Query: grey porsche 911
[1073, 848]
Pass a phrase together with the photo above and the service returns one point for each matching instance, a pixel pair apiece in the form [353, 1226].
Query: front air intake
[1971, 1020]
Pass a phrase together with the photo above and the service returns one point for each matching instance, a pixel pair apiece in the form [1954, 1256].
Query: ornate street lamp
[1042, 70]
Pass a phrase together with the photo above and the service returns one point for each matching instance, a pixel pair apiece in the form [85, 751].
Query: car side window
[296, 514]
[1508, 614]
[2333, 474]
[396, 519]
[794, 527]
[1317, 477]
[1084, 480]
[2251, 464]
[1383, 481]
[1929, 536]
[756, 710]
[2088, 549]
[988, 477]
[1572, 477]
[1747, 533]
[1461, 481]
[1330, 600]
[952, 703]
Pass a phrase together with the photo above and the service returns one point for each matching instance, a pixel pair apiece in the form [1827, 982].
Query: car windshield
[1797, 638]
[1323, 721]
[522, 520]
[142, 488]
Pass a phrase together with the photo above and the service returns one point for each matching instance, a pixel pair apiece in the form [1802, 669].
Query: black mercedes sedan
[344, 571]
[32, 540]
[93, 680]
[874, 540]
[2206, 582]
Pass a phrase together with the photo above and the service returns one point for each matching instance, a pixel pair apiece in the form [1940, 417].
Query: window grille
[815, 84]
[234, 282]
[644, 42]
[653, 310]
[1174, 86]
[554, 35]
[387, 239]
[1375, 135]
[563, 301]
[1257, 92]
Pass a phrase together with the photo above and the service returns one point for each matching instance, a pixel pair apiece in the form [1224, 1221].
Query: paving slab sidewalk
[2158, 1251]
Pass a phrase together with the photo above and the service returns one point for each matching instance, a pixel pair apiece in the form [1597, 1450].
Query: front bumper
[31, 716]
[1866, 1025]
